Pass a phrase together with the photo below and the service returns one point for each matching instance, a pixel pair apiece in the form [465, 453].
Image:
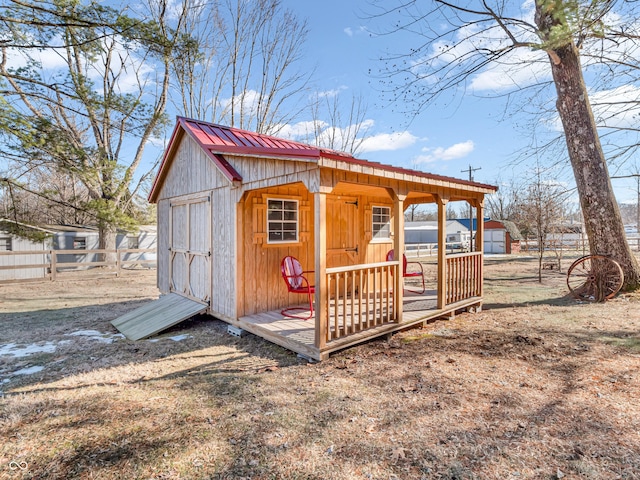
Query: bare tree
[503, 204]
[243, 70]
[44, 197]
[539, 211]
[457, 41]
[340, 125]
[91, 110]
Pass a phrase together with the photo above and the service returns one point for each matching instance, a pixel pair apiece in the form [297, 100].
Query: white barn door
[190, 248]
[495, 241]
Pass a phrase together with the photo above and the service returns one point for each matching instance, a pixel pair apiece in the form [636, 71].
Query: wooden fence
[47, 264]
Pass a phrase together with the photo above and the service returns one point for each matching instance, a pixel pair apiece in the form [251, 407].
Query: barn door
[190, 248]
[343, 231]
[495, 241]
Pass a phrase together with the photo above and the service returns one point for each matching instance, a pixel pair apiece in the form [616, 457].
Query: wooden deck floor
[299, 335]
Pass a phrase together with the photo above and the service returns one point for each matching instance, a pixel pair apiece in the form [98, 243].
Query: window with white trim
[5, 244]
[282, 220]
[381, 226]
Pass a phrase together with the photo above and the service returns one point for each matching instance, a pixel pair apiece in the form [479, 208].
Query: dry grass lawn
[536, 386]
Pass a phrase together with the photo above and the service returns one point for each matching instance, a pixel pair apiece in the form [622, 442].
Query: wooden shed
[232, 204]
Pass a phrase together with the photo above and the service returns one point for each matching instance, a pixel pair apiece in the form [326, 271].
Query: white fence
[573, 244]
[416, 250]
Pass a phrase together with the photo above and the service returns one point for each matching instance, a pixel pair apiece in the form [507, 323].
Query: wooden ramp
[157, 315]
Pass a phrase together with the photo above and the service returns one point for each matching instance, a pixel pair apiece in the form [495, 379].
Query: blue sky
[457, 132]
[445, 141]
[442, 140]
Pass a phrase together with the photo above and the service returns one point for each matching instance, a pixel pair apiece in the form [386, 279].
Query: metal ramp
[157, 315]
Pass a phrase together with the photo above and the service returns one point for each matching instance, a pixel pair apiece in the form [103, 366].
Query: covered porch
[350, 217]
[360, 315]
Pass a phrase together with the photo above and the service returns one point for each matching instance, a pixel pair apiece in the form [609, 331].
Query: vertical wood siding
[262, 287]
[163, 246]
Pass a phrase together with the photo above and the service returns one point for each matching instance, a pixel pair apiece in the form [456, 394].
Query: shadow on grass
[564, 301]
[73, 355]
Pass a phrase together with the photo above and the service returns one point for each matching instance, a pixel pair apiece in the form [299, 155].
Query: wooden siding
[163, 246]
[258, 173]
[191, 171]
[262, 288]
[224, 262]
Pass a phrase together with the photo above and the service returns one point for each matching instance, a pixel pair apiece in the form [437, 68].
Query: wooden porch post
[480, 241]
[442, 251]
[398, 248]
[320, 233]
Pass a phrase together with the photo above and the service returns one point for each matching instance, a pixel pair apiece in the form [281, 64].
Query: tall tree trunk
[107, 240]
[602, 219]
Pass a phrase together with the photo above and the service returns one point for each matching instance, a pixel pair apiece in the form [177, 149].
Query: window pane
[291, 216]
[289, 227]
[275, 214]
[275, 226]
[289, 236]
[275, 204]
[291, 206]
[275, 236]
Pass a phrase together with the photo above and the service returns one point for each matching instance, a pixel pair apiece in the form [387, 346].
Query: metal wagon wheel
[595, 278]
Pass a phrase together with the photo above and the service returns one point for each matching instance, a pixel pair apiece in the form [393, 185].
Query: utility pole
[471, 170]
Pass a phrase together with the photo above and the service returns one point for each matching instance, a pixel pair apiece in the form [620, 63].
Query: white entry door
[190, 248]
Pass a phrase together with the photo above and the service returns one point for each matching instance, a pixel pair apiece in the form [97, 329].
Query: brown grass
[535, 386]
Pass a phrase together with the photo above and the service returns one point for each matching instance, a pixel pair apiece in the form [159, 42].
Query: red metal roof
[220, 139]
[217, 140]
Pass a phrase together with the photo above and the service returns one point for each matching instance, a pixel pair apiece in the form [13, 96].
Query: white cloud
[332, 93]
[301, 130]
[619, 107]
[521, 69]
[358, 30]
[248, 101]
[458, 150]
[388, 141]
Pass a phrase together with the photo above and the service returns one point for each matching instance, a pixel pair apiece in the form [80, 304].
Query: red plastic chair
[405, 273]
[296, 282]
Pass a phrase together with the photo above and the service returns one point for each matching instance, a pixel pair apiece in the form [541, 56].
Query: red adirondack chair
[296, 282]
[405, 273]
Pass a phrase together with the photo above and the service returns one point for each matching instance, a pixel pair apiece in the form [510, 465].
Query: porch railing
[360, 297]
[464, 276]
